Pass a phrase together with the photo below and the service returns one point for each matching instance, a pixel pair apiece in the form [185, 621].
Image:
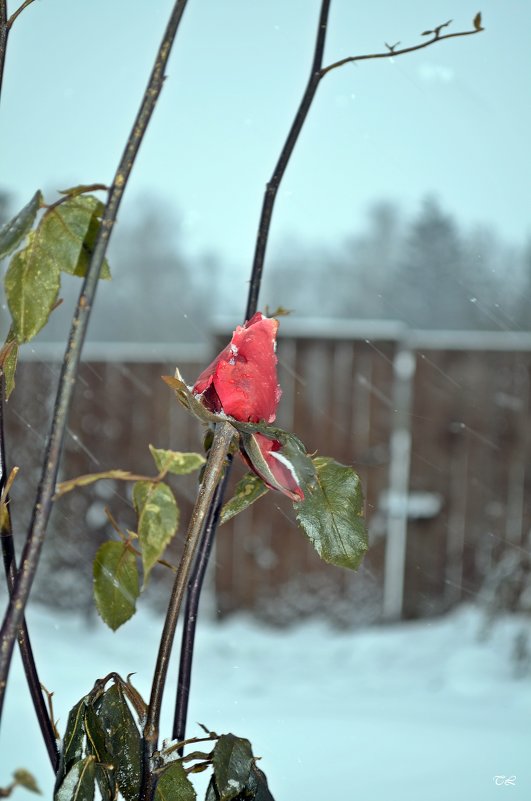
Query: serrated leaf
[174, 784]
[8, 363]
[78, 784]
[32, 284]
[73, 740]
[14, 231]
[232, 761]
[246, 492]
[331, 514]
[158, 518]
[176, 462]
[123, 738]
[116, 583]
[70, 230]
[27, 780]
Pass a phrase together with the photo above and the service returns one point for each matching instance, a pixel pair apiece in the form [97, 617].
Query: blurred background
[401, 241]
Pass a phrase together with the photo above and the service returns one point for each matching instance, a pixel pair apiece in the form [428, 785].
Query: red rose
[242, 380]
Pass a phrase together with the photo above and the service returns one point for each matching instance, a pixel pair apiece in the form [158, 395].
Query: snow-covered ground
[417, 712]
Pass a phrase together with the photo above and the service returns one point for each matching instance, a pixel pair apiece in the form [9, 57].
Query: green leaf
[98, 745]
[115, 583]
[176, 462]
[212, 793]
[32, 285]
[27, 780]
[78, 784]
[257, 786]
[246, 492]
[174, 784]
[8, 363]
[14, 231]
[232, 761]
[158, 517]
[123, 739]
[70, 230]
[331, 514]
[73, 741]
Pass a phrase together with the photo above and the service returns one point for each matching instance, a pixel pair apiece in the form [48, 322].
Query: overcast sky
[453, 119]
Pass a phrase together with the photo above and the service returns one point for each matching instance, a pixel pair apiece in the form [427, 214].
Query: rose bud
[242, 380]
[264, 457]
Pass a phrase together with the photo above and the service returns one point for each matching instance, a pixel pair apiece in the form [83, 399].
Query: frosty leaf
[123, 738]
[257, 785]
[176, 462]
[78, 784]
[73, 740]
[175, 784]
[331, 514]
[115, 583]
[32, 285]
[232, 761]
[158, 518]
[25, 779]
[246, 492]
[98, 745]
[14, 231]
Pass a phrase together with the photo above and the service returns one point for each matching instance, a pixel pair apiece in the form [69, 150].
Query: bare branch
[19, 10]
[436, 37]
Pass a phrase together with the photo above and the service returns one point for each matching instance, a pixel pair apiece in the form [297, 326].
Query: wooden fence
[437, 425]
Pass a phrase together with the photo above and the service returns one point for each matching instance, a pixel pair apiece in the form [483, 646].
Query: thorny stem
[208, 536]
[223, 436]
[317, 72]
[193, 596]
[67, 381]
[198, 573]
[26, 651]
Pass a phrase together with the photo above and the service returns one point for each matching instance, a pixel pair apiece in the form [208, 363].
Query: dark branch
[26, 651]
[285, 155]
[67, 381]
[193, 596]
[19, 10]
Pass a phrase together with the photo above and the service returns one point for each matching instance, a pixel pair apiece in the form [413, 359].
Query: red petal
[244, 374]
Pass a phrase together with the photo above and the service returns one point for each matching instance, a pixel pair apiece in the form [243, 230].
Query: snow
[422, 711]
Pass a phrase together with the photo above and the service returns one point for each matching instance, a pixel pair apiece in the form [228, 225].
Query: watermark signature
[504, 780]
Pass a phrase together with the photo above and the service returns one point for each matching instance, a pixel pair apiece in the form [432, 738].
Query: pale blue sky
[453, 119]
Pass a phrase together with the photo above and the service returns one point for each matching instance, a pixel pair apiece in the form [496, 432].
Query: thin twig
[8, 554]
[193, 596]
[391, 52]
[67, 381]
[223, 436]
[19, 10]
